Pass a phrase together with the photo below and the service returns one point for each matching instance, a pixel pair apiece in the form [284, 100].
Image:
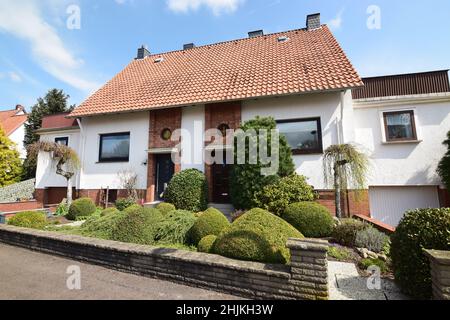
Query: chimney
[20, 108]
[188, 46]
[142, 53]
[313, 21]
[254, 34]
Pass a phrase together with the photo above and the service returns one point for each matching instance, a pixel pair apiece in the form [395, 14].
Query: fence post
[440, 273]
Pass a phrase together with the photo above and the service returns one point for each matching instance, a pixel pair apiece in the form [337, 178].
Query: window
[400, 126]
[303, 135]
[115, 147]
[63, 141]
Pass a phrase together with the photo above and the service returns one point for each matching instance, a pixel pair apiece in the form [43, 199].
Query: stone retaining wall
[305, 279]
[440, 273]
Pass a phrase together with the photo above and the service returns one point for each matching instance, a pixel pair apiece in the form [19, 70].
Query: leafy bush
[340, 254]
[175, 227]
[211, 222]
[207, 243]
[418, 230]
[372, 239]
[83, 207]
[345, 232]
[257, 236]
[188, 190]
[247, 179]
[29, 219]
[278, 196]
[137, 225]
[62, 209]
[102, 227]
[365, 264]
[165, 207]
[109, 211]
[444, 165]
[122, 204]
[310, 218]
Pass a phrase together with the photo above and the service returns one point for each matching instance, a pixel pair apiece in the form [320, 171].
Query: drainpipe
[340, 126]
[81, 149]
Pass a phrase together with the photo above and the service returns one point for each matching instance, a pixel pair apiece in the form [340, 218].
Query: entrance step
[226, 209]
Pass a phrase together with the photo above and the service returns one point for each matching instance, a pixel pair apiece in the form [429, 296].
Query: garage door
[388, 204]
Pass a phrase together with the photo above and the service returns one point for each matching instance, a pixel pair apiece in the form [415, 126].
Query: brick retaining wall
[440, 273]
[305, 279]
[20, 206]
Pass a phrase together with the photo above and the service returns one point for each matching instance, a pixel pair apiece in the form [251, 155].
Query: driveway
[29, 275]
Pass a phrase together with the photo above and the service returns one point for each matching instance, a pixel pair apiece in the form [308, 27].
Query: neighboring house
[13, 123]
[302, 78]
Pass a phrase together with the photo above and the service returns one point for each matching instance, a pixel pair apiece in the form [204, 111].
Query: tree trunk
[69, 192]
[337, 190]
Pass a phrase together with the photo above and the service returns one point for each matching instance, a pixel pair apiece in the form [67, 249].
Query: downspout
[340, 120]
[81, 148]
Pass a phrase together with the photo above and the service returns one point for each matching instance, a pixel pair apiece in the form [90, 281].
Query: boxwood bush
[211, 222]
[345, 232]
[165, 207]
[109, 211]
[310, 218]
[83, 207]
[418, 230]
[206, 244]
[29, 219]
[258, 235]
[188, 190]
[278, 196]
[122, 204]
[102, 227]
[175, 227]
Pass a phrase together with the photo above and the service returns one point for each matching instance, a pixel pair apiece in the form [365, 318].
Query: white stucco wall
[46, 167]
[404, 164]
[96, 175]
[192, 145]
[17, 137]
[323, 105]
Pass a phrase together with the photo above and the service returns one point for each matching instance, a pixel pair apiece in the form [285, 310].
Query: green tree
[55, 101]
[344, 166]
[10, 164]
[444, 166]
[247, 179]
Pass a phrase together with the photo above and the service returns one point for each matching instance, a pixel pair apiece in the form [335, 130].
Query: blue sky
[38, 51]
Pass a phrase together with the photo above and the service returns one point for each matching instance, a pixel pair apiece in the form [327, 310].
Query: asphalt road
[31, 275]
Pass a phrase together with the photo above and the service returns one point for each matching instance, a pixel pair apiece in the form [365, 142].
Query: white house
[302, 78]
[13, 123]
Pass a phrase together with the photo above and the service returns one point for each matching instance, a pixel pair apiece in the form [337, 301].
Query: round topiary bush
[29, 219]
[418, 230]
[310, 218]
[175, 227]
[258, 235]
[82, 207]
[206, 244]
[109, 211]
[165, 207]
[137, 225]
[188, 190]
[277, 197]
[345, 232]
[211, 222]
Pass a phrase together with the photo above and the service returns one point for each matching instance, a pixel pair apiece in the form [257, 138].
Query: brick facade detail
[351, 204]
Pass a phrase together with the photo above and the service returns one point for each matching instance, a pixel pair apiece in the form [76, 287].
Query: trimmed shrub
[165, 208]
[102, 227]
[206, 244]
[188, 190]
[122, 204]
[174, 229]
[340, 254]
[310, 218]
[211, 222]
[109, 211]
[257, 236]
[372, 239]
[365, 264]
[419, 229]
[247, 179]
[29, 219]
[137, 225]
[277, 197]
[83, 207]
[345, 232]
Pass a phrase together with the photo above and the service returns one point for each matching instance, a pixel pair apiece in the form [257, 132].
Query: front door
[221, 182]
[165, 170]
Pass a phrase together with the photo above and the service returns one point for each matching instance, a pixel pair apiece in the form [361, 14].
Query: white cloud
[336, 23]
[217, 6]
[14, 76]
[23, 19]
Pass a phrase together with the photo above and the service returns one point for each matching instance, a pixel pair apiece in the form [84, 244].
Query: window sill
[402, 142]
[112, 161]
[307, 153]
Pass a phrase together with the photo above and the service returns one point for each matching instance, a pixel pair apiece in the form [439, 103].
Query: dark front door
[221, 182]
[165, 170]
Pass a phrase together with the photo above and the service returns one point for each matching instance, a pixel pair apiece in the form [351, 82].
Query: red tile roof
[10, 121]
[58, 121]
[241, 69]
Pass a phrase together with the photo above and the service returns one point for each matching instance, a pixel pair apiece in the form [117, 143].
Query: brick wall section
[440, 273]
[444, 198]
[229, 113]
[305, 280]
[351, 205]
[20, 206]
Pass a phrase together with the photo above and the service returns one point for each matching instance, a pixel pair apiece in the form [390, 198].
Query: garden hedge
[102, 227]
[258, 235]
[175, 227]
[418, 230]
[310, 218]
[165, 207]
[211, 222]
[29, 219]
[109, 211]
[124, 203]
[206, 244]
[83, 207]
[345, 233]
[188, 190]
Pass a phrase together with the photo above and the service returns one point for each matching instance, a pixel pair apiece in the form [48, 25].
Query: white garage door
[388, 204]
